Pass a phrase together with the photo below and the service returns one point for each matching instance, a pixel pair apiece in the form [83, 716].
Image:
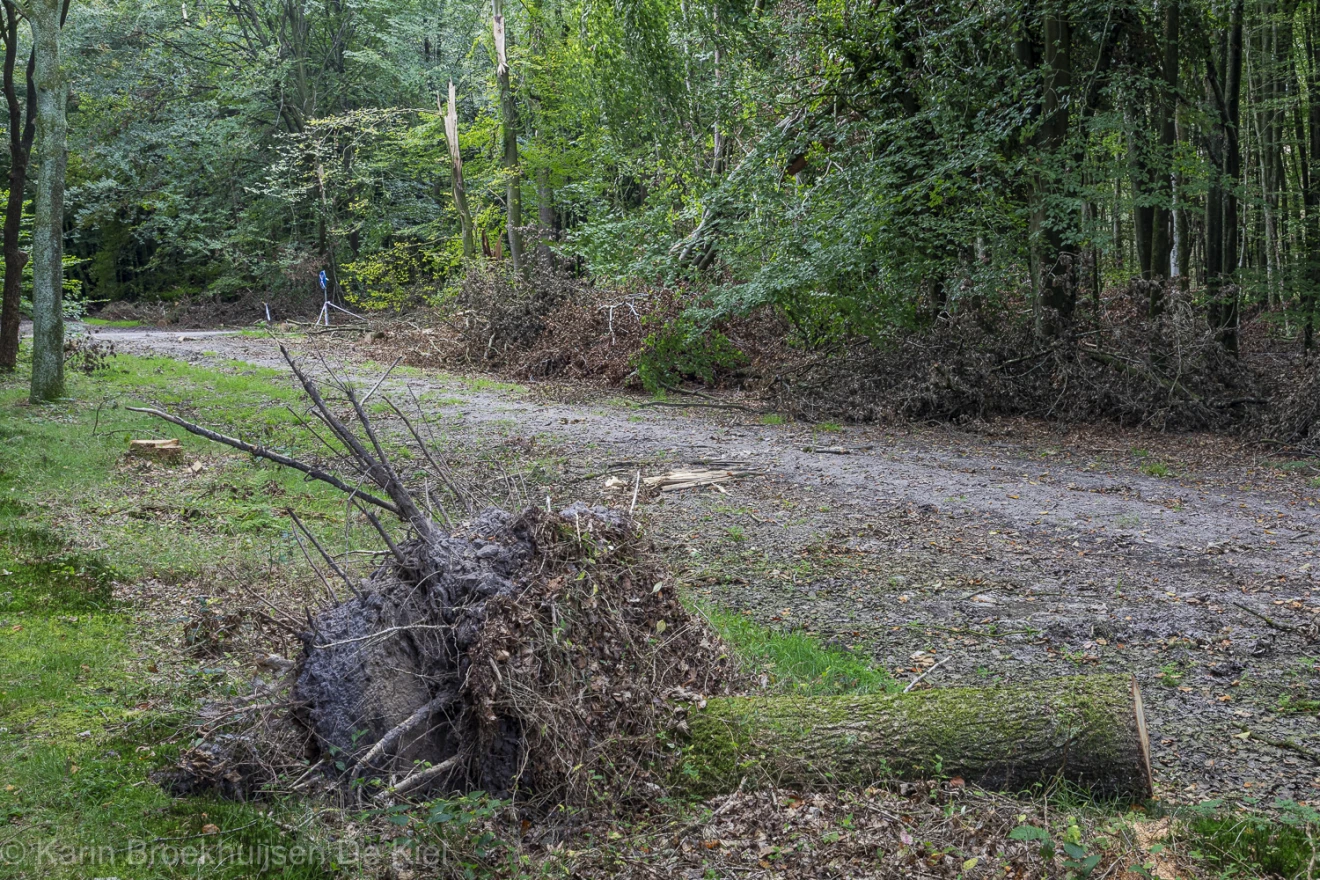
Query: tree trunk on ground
[22, 129]
[512, 654]
[509, 127]
[1088, 730]
[48, 226]
[456, 163]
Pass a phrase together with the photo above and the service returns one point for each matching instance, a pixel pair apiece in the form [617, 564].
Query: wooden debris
[162, 450]
[838, 450]
[675, 481]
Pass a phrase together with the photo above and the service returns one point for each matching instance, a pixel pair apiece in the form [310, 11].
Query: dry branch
[270, 455]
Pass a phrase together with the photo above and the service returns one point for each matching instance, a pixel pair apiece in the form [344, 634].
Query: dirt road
[1020, 551]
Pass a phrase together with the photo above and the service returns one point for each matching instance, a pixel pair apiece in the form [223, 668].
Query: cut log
[163, 450]
[1087, 730]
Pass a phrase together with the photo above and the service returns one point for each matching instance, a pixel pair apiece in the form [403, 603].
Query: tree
[456, 171]
[46, 18]
[1223, 82]
[509, 128]
[22, 128]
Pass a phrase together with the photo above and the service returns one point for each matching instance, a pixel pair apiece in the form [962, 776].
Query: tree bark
[1161, 244]
[1311, 183]
[1056, 265]
[1088, 730]
[456, 163]
[509, 127]
[51, 154]
[22, 129]
[1224, 87]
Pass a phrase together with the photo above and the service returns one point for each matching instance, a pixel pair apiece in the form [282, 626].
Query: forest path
[1021, 552]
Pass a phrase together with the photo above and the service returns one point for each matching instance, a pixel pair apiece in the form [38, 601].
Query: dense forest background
[1115, 203]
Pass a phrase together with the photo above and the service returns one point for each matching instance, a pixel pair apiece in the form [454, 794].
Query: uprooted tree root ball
[540, 655]
[536, 654]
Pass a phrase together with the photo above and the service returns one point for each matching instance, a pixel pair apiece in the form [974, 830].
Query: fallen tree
[545, 654]
[1089, 730]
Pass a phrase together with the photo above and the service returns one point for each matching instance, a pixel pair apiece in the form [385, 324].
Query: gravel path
[1021, 551]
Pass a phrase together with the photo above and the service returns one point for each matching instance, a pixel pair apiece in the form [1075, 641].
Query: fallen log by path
[1087, 730]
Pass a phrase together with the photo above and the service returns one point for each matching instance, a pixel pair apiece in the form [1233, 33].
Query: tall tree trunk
[1057, 272]
[1161, 243]
[456, 173]
[22, 129]
[1224, 87]
[1311, 182]
[45, 17]
[509, 125]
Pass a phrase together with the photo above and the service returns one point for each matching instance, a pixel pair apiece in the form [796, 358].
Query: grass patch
[106, 322]
[797, 662]
[1289, 704]
[1155, 469]
[1251, 845]
[773, 419]
[93, 694]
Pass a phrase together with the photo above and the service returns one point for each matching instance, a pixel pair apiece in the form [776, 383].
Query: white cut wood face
[499, 46]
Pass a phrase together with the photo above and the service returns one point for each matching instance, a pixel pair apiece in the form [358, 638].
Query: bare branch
[262, 452]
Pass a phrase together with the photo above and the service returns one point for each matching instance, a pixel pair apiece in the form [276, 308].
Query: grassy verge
[106, 322]
[797, 662]
[93, 686]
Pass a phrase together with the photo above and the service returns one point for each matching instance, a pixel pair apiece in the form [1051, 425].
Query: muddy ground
[1015, 551]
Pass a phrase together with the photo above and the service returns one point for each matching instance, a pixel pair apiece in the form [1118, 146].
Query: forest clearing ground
[886, 553]
[1018, 552]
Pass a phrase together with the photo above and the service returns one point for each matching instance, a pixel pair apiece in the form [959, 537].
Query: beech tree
[50, 83]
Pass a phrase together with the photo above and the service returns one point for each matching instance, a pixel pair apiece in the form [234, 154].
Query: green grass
[167, 522]
[831, 427]
[1255, 845]
[86, 712]
[481, 383]
[1155, 469]
[105, 322]
[773, 419]
[1289, 705]
[797, 662]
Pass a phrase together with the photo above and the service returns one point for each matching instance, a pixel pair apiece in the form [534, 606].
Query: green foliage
[1289, 704]
[681, 351]
[1256, 845]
